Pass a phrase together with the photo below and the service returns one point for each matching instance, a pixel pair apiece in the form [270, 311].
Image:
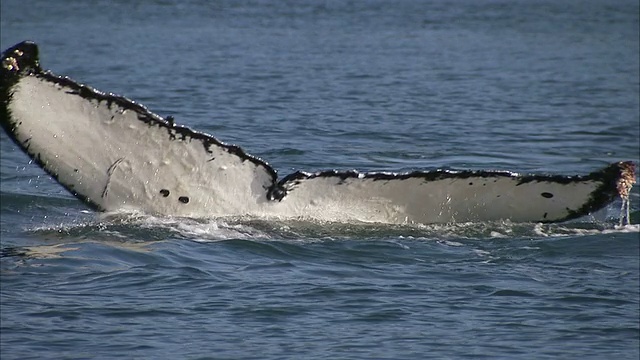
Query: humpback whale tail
[114, 154]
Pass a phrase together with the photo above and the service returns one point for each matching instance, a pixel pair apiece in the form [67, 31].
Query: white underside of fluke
[416, 200]
[119, 162]
[115, 160]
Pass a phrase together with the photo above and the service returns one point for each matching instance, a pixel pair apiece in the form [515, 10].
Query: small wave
[592, 299]
[508, 292]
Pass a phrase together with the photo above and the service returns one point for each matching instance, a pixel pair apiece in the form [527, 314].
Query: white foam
[202, 230]
[124, 227]
[631, 228]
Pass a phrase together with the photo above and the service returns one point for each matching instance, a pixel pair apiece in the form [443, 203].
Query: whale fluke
[116, 155]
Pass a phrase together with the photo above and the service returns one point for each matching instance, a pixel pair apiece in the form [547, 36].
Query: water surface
[544, 86]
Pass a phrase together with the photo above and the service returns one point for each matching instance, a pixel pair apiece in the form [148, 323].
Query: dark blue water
[527, 86]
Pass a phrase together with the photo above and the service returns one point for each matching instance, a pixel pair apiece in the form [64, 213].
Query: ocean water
[526, 86]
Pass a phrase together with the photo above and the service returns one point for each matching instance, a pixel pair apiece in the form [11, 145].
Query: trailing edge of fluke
[116, 155]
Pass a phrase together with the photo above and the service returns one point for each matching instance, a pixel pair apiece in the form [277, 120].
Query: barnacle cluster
[624, 184]
[626, 180]
[10, 63]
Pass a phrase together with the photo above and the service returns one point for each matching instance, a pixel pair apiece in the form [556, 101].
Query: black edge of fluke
[22, 60]
[616, 179]
[32, 66]
[16, 61]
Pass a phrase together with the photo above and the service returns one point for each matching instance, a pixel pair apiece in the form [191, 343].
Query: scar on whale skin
[110, 172]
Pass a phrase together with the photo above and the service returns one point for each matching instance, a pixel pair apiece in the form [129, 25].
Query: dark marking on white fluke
[218, 179]
[547, 195]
